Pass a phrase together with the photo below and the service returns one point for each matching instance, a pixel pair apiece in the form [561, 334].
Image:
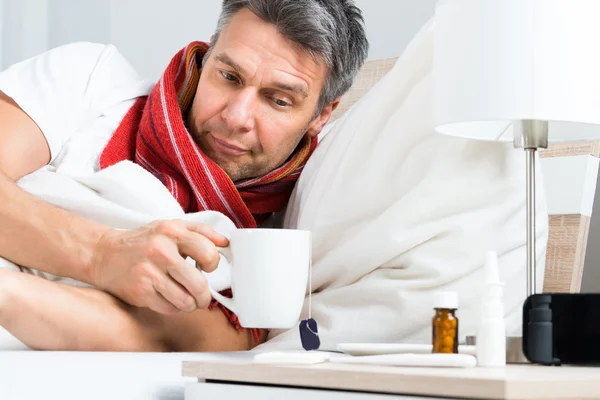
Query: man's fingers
[202, 250]
[162, 306]
[179, 230]
[179, 283]
[193, 281]
[208, 232]
[175, 294]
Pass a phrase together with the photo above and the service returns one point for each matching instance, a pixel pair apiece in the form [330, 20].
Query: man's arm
[33, 233]
[144, 267]
[51, 316]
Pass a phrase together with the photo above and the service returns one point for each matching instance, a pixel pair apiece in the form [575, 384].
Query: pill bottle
[445, 323]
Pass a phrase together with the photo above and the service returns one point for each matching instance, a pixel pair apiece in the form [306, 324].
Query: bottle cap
[447, 300]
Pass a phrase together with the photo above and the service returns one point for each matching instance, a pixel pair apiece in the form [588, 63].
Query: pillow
[398, 212]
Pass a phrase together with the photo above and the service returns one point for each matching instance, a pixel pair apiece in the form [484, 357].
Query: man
[270, 79]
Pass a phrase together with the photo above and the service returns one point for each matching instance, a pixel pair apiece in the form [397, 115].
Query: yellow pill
[448, 341]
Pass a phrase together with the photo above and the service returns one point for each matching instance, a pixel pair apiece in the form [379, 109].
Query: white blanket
[398, 212]
[124, 196]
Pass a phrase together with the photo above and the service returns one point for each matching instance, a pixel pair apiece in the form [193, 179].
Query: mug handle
[227, 302]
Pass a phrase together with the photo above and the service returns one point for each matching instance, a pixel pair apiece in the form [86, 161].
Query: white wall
[25, 29]
[149, 33]
[77, 20]
[390, 25]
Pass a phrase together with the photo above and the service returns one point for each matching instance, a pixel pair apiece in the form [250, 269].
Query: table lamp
[526, 71]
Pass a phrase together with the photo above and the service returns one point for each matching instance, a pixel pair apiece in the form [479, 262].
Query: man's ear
[317, 124]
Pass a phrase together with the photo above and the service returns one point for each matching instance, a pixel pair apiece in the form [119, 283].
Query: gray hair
[331, 30]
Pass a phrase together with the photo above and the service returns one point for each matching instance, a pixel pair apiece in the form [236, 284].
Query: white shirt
[77, 94]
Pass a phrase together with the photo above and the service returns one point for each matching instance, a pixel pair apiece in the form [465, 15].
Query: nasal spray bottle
[491, 332]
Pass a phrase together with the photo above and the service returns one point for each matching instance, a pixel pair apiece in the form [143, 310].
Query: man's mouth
[227, 148]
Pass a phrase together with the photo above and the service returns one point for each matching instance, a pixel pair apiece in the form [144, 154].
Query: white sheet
[98, 376]
[109, 197]
[398, 212]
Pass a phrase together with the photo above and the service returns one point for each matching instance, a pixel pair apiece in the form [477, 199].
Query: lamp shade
[499, 61]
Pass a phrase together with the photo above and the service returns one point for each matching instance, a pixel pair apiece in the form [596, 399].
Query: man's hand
[146, 267]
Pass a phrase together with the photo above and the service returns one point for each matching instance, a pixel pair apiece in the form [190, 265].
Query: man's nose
[239, 113]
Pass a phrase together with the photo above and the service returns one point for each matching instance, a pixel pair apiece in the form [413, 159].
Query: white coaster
[291, 357]
[411, 360]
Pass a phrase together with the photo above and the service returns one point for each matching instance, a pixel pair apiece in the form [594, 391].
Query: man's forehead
[248, 41]
[283, 81]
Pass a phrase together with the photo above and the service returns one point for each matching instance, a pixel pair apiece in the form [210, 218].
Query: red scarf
[153, 134]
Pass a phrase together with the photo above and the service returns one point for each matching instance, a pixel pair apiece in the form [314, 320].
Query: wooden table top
[512, 382]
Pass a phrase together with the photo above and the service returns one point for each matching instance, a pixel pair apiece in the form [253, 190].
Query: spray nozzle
[491, 267]
[492, 275]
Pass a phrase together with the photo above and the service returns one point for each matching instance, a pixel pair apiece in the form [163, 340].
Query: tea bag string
[309, 332]
[310, 288]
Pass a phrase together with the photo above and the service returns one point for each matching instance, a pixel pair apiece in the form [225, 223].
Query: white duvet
[396, 211]
[110, 197]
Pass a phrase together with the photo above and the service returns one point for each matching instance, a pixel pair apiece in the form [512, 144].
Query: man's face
[256, 98]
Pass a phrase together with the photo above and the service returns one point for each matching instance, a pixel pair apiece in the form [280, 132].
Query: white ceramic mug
[269, 274]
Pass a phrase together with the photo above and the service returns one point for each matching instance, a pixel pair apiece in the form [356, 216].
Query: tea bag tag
[309, 332]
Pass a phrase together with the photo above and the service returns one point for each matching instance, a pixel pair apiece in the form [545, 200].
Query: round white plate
[372, 349]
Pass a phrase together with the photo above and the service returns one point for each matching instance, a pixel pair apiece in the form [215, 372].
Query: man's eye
[229, 76]
[281, 103]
